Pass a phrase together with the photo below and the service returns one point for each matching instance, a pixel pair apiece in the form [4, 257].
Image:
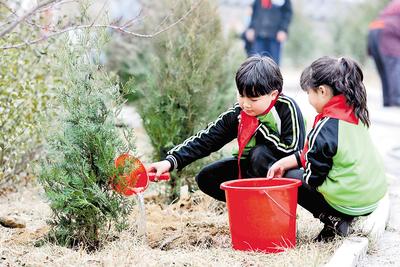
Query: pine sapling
[81, 149]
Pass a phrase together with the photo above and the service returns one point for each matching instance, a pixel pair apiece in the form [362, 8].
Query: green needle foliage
[79, 163]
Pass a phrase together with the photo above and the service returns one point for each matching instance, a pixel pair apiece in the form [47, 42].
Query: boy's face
[254, 106]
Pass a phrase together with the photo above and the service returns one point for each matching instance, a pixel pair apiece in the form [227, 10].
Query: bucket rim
[294, 183]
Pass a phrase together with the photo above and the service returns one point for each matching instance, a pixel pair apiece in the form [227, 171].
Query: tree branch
[118, 28]
[133, 20]
[28, 14]
[30, 21]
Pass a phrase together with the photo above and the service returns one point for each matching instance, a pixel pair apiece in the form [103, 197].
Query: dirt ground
[193, 231]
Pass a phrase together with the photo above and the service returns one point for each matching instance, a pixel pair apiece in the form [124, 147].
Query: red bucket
[262, 213]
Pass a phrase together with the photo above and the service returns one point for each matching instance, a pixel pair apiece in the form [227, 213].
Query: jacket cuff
[298, 159]
[173, 161]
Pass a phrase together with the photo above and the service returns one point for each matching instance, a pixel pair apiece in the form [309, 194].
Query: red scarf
[266, 4]
[247, 127]
[336, 108]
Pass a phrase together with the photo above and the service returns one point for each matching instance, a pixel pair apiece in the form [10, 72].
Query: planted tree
[80, 151]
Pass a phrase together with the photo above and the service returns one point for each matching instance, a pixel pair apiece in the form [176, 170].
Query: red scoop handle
[163, 177]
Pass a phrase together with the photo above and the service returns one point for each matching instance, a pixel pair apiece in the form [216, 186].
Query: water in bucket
[262, 213]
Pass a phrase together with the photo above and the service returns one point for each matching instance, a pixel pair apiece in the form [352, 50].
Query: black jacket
[289, 139]
[268, 21]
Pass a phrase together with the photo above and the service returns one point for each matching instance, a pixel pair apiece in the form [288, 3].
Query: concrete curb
[354, 249]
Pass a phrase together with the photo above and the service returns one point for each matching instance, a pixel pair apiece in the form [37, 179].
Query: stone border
[353, 248]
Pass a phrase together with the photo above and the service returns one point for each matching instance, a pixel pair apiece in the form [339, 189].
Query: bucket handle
[279, 205]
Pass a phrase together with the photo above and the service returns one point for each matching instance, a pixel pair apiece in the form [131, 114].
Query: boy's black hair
[258, 76]
[344, 76]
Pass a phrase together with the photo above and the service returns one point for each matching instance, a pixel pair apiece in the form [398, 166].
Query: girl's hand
[276, 171]
[159, 168]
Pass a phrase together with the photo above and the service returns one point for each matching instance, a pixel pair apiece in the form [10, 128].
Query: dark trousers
[266, 47]
[213, 175]
[313, 201]
[388, 68]
[373, 49]
[392, 64]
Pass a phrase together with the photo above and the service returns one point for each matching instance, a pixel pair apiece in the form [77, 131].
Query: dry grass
[191, 232]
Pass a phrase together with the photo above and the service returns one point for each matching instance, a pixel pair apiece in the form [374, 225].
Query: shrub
[79, 162]
[184, 76]
[24, 97]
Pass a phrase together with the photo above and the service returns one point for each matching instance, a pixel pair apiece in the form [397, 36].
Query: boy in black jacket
[267, 124]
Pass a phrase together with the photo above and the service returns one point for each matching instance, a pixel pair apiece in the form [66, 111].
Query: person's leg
[373, 48]
[314, 202]
[259, 47]
[392, 65]
[260, 159]
[295, 173]
[211, 176]
[274, 48]
[335, 222]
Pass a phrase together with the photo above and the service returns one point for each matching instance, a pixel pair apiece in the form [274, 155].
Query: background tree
[350, 32]
[25, 91]
[319, 30]
[184, 77]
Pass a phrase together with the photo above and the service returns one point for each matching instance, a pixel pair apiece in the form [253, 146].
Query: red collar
[248, 125]
[337, 108]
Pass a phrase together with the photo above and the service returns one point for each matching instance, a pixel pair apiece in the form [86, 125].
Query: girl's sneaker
[333, 226]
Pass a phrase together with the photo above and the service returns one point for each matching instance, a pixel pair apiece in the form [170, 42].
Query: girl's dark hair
[344, 76]
[258, 76]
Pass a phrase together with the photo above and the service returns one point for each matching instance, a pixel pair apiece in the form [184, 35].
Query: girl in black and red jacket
[343, 174]
[268, 126]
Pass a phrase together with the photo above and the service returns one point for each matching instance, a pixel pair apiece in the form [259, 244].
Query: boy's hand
[159, 168]
[276, 171]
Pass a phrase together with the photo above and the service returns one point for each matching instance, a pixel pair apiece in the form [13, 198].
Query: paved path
[386, 132]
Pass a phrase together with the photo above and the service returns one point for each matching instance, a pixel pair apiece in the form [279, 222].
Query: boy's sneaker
[333, 226]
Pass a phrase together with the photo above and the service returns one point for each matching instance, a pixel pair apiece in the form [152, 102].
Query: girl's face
[254, 106]
[318, 97]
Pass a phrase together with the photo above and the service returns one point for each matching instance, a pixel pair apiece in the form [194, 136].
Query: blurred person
[267, 125]
[342, 174]
[384, 47]
[268, 28]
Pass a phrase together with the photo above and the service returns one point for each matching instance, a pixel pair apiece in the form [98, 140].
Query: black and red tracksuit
[280, 134]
